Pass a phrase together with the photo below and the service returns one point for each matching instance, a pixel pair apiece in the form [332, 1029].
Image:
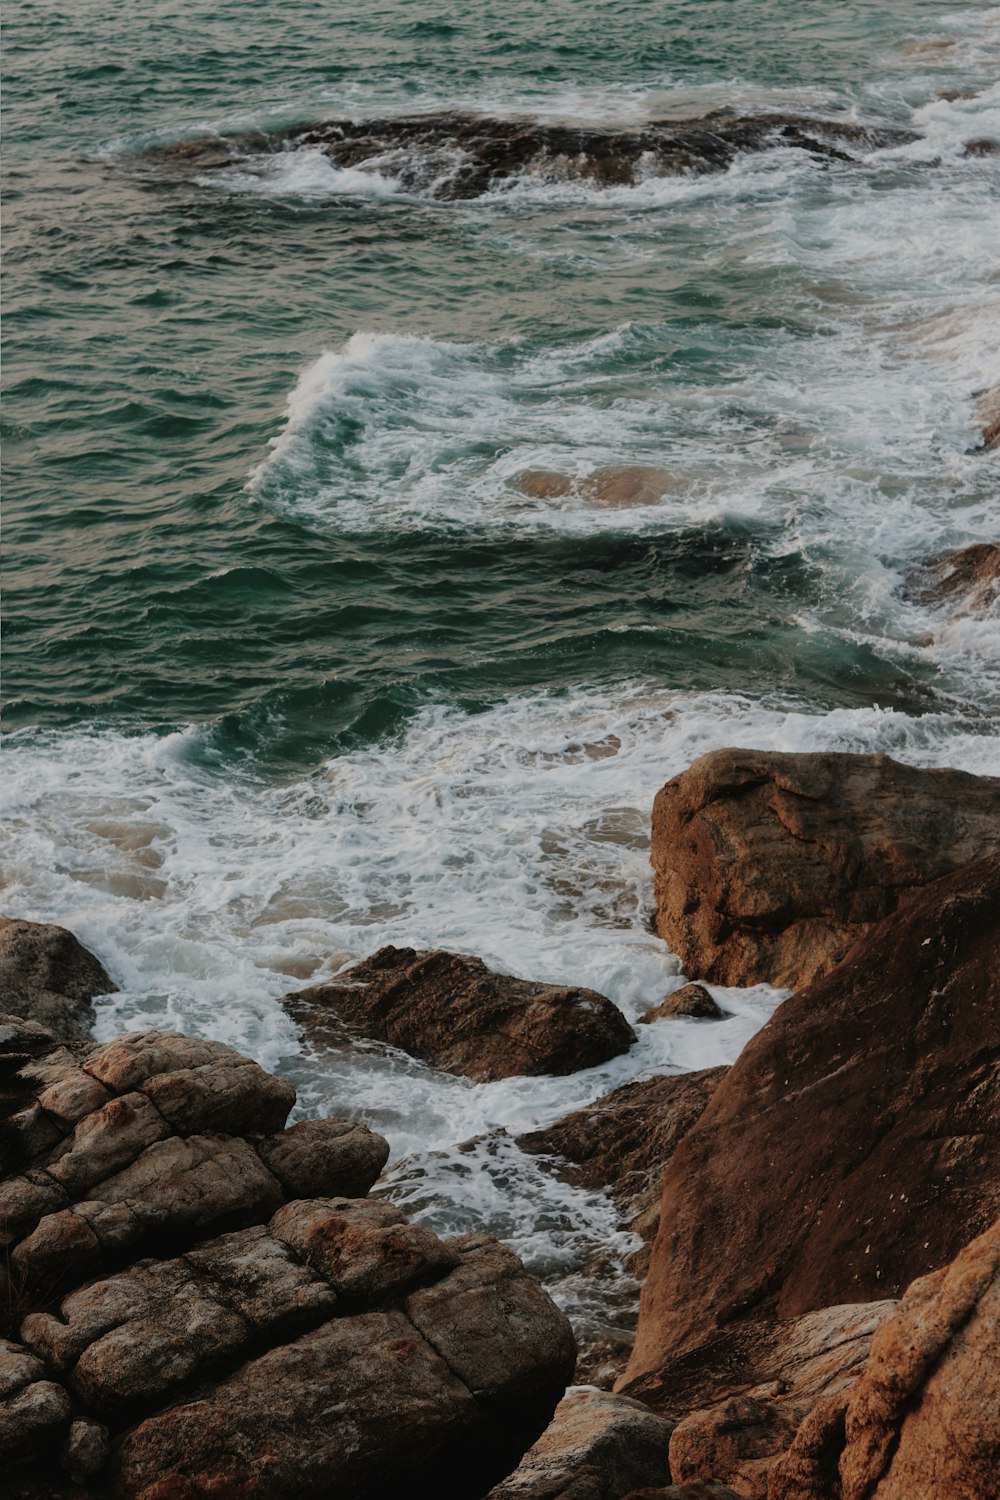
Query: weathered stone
[365, 1249]
[325, 1158]
[597, 1447]
[689, 1000]
[623, 485]
[769, 866]
[854, 1145]
[86, 1450]
[456, 1013]
[623, 1141]
[47, 976]
[34, 1410]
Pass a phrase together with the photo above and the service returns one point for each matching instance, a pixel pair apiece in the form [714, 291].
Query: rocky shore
[199, 1300]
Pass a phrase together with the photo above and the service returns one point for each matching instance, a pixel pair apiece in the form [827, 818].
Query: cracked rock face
[198, 1301]
[769, 866]
[457, 1014]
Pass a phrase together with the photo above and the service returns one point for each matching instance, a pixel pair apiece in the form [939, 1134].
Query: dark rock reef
[460, 1016]
[769, 866]
[965, 582]
[455, 156]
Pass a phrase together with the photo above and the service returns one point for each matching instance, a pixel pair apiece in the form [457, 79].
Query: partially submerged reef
[198, 1300]
[455, 156]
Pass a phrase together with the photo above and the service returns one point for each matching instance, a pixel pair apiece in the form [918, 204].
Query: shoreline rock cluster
[190, 1287]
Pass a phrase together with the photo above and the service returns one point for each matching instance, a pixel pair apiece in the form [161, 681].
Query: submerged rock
[455, 156]
[460, 1016]
[629, 484]
[769, 866]
[598, 1447]
[854, 1145]
[49, 977]
[966, 581]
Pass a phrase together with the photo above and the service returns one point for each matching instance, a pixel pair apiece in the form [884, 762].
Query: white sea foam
[305, 175]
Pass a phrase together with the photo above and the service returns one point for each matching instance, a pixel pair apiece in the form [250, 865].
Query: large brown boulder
[769, 866]
[190, 1291]
[623, 1142]
[924, 1416]
[457, 1014]
[47, 976]
[854, 1146]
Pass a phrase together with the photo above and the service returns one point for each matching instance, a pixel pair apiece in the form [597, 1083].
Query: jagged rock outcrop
[967, 582]
[597, 1447]
[623, 1142]
[924, 1416]
[463, 156]
[769, 866]
[189, 1291]
[460, 1016]
[988, 409]
[854, 1146]
[47, 976]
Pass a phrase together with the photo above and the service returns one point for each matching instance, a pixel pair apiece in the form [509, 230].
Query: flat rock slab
[457, 1014]
[769, 866]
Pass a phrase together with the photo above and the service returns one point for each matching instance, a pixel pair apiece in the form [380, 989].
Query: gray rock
[597, 1447]
[47, 976]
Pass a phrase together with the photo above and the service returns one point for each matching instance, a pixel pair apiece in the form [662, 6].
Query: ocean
[298, 663]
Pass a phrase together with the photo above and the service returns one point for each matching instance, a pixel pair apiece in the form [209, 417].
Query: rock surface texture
[197, 1301]
[597, 1447]
[854, 1146]
[457, 1014]
[924, 1416]
[769, 866]
[49, 977]
[463, 156]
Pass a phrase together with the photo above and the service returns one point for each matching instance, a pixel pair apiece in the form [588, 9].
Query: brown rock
[597, 1447]
[925, 1417]
[769, 866]
[698, 1489]
[968, 581]
[689, 1000]
[853, 1146]
[325, 1158]
[622, 1142]
[48, 977]
[988, 407]
[457, 1014]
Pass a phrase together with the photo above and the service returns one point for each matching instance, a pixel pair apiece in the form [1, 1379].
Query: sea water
[296, 666]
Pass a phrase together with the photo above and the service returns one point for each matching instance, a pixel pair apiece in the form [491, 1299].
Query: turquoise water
[293, 664]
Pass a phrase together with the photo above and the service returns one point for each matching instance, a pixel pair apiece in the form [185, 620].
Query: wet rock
[597, 1447]
[988, 407]
[689, 1000]
[457, 1014]
[854, 1146]
[623, 1141]
[982, 146]
[463, 156]
[966, 581]
[698, 1489]
[47, 976]
[769, 866]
